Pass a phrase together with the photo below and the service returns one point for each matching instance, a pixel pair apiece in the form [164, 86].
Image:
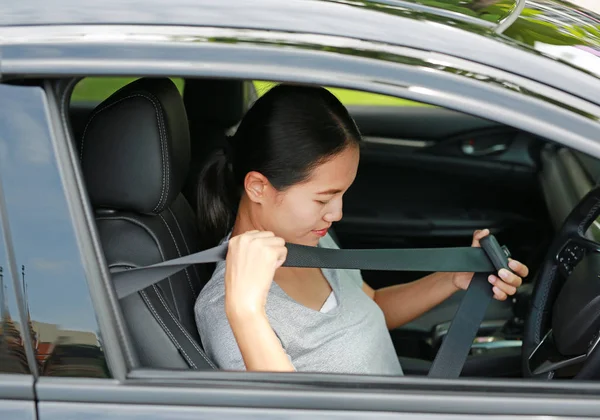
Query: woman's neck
[246, 219]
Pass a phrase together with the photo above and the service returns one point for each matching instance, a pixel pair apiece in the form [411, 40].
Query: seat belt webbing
[453, 352]
[128, 281]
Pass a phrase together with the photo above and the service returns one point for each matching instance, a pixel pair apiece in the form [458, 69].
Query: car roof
[553, 28]
[180, 12]
[478, 13]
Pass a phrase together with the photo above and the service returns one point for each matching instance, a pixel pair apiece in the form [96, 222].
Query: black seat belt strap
[455, 348]
[128, 281]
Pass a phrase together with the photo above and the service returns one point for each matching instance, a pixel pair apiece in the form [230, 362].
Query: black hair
[286, 133]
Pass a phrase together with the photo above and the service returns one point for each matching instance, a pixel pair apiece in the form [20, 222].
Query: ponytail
[217, 198]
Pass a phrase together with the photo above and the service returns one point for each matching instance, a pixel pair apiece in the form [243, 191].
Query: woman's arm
[403, 303]
[252, 259]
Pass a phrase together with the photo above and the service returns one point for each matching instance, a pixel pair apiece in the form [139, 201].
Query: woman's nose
[334, 215]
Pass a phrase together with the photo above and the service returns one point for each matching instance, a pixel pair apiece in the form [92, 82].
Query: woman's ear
[256, 185]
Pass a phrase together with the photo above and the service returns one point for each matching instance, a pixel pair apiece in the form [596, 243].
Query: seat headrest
[135, 149]
[220, 102]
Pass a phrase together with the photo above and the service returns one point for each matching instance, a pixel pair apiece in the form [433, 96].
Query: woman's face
[302, 213]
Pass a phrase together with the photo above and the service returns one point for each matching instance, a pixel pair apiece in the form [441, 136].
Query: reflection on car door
[16, 376]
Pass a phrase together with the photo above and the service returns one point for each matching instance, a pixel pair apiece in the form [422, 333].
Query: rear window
[97, 89]
[351, 97]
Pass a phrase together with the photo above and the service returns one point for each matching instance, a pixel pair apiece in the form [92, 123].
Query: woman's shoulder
[214, 290]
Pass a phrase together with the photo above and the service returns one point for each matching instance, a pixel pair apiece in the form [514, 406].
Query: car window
[63, 328]
[96, 89]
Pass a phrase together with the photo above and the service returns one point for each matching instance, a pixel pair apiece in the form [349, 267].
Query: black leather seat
[135, 156]
[214, 106]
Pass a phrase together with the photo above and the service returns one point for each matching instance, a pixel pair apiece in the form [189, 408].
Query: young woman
[281, 178]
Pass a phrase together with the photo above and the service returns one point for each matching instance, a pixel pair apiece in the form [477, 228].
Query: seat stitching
[191, 340]
[161, 133]
[178, 254]
[138, 223]
[187, 248]
[164, 151]
[159, 319]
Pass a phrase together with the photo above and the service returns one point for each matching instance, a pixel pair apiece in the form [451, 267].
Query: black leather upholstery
[135, 156]
[213, 107]
[135, 148]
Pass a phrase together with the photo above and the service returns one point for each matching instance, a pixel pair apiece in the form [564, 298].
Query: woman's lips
[321, 232]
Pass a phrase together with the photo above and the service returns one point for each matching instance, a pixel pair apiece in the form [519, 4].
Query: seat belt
[453, 352]
[128, 281]
[457, 343]
[455, 348]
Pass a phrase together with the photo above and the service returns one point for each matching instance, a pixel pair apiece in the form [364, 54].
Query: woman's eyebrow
[331, 191]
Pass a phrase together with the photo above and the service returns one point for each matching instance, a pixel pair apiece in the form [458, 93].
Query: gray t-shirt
[350, 338]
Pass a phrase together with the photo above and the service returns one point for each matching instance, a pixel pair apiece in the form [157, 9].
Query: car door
[61, 338]
[17, 372]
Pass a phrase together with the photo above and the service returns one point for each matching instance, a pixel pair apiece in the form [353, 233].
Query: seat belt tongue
[496, 253]
[453, 352]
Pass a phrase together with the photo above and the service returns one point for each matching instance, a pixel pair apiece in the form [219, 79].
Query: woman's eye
[322, 202]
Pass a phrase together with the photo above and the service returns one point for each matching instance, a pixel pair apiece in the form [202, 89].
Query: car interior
[428, 177]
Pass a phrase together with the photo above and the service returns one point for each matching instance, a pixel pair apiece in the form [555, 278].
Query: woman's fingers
[519, 268]
[479, 235]
[502, 285]
[499, 294]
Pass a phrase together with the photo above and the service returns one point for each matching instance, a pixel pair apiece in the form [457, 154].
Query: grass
[96, 89]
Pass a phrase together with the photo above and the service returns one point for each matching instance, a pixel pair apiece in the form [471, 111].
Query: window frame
[25, 173]
[370, 75]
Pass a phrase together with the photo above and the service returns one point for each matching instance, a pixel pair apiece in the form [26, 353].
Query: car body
[500, 68]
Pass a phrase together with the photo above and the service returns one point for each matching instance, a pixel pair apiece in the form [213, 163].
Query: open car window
[424, 154]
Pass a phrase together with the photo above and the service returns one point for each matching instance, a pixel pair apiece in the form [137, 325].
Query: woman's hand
[252, 259]
[505, 284]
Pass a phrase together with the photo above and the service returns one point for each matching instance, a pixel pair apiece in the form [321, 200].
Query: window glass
[96, 89]
[63, 326]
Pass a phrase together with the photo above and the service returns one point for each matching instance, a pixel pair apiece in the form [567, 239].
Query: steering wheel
[562, 331]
